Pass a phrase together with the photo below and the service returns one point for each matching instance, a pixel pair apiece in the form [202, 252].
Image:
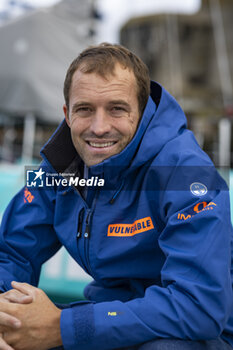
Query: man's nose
[100, 123]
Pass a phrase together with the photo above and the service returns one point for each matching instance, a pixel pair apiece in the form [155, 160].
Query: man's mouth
[101, 144]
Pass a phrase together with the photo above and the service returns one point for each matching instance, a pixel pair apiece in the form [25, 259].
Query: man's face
[103, 113]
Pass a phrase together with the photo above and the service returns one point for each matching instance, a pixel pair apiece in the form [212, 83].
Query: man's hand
[39, 326]
[12, 296]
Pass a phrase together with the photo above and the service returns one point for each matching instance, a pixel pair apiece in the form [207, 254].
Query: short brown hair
[101, 59]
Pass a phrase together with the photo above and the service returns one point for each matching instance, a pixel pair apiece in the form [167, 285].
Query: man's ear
[66, 113]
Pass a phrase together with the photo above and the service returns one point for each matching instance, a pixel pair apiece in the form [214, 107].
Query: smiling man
[156, 238]
[103, 112]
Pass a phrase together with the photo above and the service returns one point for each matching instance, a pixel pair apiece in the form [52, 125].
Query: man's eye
[118, 108]
[118, 111]
[83, 111]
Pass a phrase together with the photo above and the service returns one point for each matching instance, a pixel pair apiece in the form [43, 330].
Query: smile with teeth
[101, 144]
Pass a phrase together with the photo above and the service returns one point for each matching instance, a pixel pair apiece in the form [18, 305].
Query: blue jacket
[156, 238]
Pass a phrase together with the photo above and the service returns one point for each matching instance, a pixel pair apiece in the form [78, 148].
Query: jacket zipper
[86, 239]
[88, 231]
[80, 223]
[86, 234]
[78, 236]
[87, 225]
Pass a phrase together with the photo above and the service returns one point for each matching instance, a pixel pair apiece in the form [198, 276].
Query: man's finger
[14, 296]
[4, 345]
[23, 287]
[9, 321]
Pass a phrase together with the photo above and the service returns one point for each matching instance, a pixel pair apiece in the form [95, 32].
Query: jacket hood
[162, 120]
[167, 123]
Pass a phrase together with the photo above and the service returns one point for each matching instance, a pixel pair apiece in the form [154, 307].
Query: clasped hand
[28, 319]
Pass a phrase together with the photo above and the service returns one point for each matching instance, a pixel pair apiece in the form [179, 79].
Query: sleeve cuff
[77, 326]
[67, 329]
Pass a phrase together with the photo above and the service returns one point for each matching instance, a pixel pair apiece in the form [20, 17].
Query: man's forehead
[118, 73]
[121, 83]
[102, 90]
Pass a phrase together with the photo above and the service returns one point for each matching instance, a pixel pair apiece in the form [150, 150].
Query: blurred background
[188, 47]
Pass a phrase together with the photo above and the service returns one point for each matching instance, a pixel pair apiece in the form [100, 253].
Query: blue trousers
[176, 344]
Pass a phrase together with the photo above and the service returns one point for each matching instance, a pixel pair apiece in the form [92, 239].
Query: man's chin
[91, 162]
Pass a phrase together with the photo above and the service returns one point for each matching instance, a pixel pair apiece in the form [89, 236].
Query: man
[156, 238]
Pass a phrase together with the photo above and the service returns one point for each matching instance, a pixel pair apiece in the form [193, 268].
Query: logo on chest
[127, 230]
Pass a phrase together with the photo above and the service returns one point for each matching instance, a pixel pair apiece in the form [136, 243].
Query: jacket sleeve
[195, 297]
[27, 237]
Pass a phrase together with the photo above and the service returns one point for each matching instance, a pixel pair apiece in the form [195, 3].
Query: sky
[118, 12]
[4, 3]
[115, 12]
[165, 4]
